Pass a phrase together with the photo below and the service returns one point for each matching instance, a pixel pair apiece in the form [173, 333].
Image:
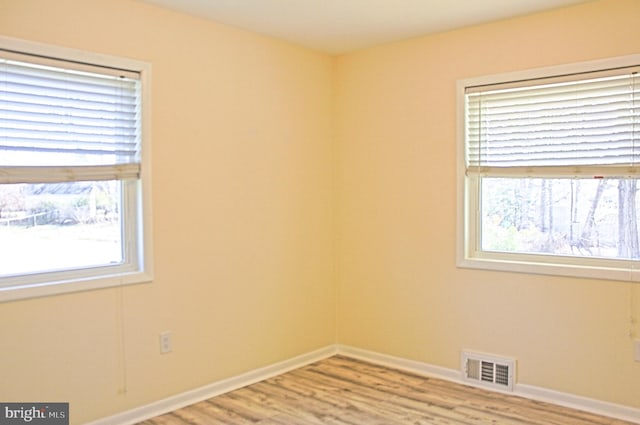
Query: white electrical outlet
[636, 350]
[165, 342]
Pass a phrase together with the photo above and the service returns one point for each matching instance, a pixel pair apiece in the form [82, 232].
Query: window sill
[624, 271]
[70, 285]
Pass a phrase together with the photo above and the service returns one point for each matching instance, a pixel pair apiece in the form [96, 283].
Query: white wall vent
[488, 370]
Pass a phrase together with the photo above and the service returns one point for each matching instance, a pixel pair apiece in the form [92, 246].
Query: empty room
[338, 212]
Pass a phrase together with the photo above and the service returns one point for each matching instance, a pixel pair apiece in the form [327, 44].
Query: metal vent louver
[488, 370]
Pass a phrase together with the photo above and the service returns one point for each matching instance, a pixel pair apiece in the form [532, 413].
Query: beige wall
[269, 162]
[242, 219]
[399, 289]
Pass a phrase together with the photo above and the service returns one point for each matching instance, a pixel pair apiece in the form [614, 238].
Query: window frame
[468, 252]
[137, 265]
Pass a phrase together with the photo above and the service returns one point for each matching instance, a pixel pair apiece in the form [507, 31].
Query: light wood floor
[343, 391]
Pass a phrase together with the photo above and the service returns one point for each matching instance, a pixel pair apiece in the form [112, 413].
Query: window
[549, 166]
[74, 174]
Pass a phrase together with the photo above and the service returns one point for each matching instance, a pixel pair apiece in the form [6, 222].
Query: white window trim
[470, 256]
[47, 284]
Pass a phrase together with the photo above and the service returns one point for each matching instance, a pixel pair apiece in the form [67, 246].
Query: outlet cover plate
[165, 342]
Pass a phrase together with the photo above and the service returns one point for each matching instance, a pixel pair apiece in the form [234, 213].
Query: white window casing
[75, 138]
[577, 121]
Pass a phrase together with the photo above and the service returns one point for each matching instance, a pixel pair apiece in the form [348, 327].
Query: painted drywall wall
[244, 180]
[400, 292]
[242, 216]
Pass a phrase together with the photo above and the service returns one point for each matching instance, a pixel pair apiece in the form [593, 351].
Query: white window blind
[585, 124]
[60, 124]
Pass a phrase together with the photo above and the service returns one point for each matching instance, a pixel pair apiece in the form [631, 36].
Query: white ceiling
[339, 26]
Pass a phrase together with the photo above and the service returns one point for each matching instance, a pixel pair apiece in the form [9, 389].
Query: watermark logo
[34, 413]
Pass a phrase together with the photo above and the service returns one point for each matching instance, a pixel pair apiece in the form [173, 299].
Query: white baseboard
[577, 402]
[400, 363]
[220, 387]
[527, 391]
[199, 394]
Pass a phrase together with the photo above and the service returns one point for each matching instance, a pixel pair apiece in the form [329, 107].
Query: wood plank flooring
[343, 391]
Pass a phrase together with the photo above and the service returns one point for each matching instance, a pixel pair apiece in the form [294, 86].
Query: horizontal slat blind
[75, 125]
[569, 126]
